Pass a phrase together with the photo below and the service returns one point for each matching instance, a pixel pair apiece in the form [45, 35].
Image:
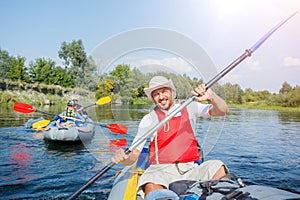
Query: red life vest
[176, 141]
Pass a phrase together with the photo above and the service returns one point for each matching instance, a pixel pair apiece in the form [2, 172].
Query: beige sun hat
[159, 82]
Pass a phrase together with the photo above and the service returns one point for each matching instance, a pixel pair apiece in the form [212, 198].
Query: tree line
[128, 85]
[287, 96]
[78, 69]
[124, 83]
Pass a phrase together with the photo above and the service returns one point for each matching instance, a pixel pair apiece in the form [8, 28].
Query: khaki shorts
[164, 174]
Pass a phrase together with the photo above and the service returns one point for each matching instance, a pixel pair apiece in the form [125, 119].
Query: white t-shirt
[150, 120]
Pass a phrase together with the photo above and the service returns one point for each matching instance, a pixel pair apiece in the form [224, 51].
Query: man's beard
[166, 106]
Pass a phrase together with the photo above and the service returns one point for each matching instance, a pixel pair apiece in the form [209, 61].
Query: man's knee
[162, 194]
[149, 187]
[221, 172]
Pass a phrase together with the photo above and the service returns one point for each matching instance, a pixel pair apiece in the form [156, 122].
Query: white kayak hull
[71, 133]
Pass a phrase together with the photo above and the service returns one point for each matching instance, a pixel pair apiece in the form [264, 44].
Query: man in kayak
[68, 117]
[174, 153]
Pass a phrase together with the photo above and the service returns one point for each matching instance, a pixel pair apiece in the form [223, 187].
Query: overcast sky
[223, 29]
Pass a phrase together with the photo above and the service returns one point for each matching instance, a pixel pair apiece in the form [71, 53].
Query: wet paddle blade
[103, 100]
[117, 128]
[122, 142]
[23, 108]
[40, 124]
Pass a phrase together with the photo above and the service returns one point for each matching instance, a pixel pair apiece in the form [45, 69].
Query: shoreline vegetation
[40, 94]
[264, 106]
[44, 82]
[52, 95]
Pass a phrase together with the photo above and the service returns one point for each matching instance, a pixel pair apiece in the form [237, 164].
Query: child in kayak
[69, 116]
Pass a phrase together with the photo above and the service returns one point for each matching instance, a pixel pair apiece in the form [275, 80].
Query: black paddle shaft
[85, 107]
[44, 112]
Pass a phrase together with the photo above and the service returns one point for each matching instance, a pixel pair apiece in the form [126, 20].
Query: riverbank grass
[265, 106]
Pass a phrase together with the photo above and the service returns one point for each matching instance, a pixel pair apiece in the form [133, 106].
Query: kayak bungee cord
[246, 54]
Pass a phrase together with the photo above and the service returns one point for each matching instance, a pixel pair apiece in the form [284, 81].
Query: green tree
[183, 84]
[5, 60]
[249, 95]
[294, 100]
[263, 95]
[62, 78]
[139, 83]
[76, 62]
[233, 93]
[41, 71]
[288, 99]
[17, 70]
[105, 88]
[45, 71]
[194, 82]
[123, 82]
[91, 75]
[285, 88]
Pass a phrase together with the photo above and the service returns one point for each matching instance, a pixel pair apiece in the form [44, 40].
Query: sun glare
[233, 7]
[228, 6]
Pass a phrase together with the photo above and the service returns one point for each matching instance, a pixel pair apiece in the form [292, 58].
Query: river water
[261, 147]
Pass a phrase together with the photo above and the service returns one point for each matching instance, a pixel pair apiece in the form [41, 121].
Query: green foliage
[295, 97]
[122, 77]
[138, 84]
[4, 63]
[62, 78]
[249, 95]
[77, 64]
[285, 88]
[17, 70]
[139, 101]
[263, 95]
[104, 88]
[123, 83]
[41, 71]
[233, 93]
[45, 71]
[128, 86]
[289, 98]
[6, 97]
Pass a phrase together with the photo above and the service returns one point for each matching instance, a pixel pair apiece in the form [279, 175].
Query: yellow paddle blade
[40, 124]
[103, 100]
